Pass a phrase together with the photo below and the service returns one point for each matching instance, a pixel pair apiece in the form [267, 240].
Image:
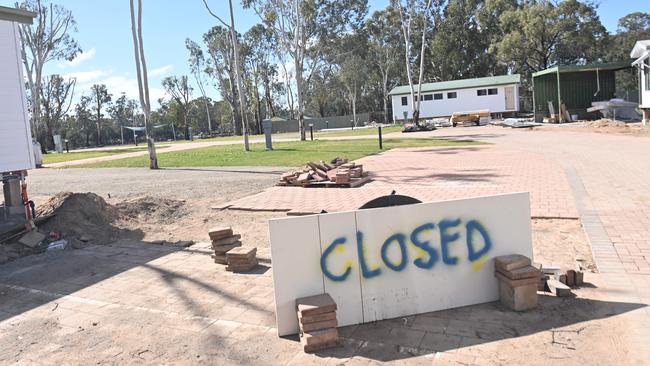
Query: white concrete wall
[466, 100]
[16, 152]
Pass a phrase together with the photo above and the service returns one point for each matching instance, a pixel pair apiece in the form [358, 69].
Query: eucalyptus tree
[258, 44]
[222, 69]
[56, 99]
[303, 29]
[48, 39]
[539, 34]
[143, 80]
[385, 44]
[234, 38]
[198, 67]
[413, 13]
[181, 91]
[99, 96]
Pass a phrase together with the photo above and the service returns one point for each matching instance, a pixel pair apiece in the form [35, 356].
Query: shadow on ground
[448, 330]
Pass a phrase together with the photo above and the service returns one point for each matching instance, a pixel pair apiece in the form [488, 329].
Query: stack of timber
[338, 173]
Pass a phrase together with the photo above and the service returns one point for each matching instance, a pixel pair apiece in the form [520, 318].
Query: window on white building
[481, 92]
[437, 96]
[428, 97]
[405, 101]
[451, 95]
[493, 91]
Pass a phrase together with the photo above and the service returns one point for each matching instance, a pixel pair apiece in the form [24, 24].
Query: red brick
[317, 304]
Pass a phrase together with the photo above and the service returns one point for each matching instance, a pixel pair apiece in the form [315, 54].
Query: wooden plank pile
[338, 173]
[317, 320]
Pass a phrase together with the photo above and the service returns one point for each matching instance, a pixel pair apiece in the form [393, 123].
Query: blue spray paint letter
[365, 271]
[446, 239]
[425, 246]
[473, 254]
[401, 240]
[323, 262]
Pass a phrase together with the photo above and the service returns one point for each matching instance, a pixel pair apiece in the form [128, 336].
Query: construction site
[505, 224]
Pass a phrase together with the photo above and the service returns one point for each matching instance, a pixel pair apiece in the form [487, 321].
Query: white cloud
[82, 57]
[160, 71]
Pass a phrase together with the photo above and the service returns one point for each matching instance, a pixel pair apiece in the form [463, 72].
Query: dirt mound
[79, 215]
[606, 123]
[152, 210]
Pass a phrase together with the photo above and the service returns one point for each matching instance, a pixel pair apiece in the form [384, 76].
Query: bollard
[311, 132]
[381, 144]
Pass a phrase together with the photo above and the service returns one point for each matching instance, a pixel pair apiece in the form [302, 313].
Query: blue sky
[104, 34]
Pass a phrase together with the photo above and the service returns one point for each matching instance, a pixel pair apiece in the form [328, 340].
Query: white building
[641, 54]
[498, 94]
[16, 151]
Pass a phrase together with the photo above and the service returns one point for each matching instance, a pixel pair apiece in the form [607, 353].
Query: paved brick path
[433, 174]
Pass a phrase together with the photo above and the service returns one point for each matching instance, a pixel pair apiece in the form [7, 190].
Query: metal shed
[574, 85]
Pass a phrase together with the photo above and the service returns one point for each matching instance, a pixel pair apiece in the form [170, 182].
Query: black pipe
[381, 144]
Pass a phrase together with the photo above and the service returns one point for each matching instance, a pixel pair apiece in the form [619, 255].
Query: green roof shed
[576, 86]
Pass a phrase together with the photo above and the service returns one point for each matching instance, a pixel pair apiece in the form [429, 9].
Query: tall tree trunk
[242, 103]
[99, 127]
[143, 83]
[301, 110]
[186, 126]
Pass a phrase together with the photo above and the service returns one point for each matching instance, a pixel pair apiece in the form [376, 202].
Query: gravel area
[215, 185]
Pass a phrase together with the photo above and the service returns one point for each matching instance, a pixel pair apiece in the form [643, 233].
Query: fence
[322, 123]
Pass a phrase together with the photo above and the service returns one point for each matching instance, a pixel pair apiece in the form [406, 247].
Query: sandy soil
[600, 126]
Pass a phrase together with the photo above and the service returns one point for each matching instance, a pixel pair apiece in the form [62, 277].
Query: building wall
[644, 85]
[466, 100]
[577, 91]
[16, 151]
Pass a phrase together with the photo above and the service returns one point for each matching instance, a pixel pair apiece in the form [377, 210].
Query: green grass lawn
[294, 153]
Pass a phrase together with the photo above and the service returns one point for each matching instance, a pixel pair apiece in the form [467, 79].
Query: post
[135, 138]
[311, 131]
[352, 124]
[381, 144]
[122, 134]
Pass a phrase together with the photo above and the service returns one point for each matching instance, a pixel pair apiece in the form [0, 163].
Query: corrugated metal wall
[577, 92]
[545, 90]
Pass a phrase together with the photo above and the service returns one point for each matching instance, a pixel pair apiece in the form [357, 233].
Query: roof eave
[16, 15]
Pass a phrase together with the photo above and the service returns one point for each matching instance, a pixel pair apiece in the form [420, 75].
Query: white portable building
[641, 54]
[498, 94]
[16, 150]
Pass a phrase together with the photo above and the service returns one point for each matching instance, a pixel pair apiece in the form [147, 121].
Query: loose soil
[604, 125]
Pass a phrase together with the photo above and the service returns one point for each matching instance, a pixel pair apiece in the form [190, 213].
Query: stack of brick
[518, 281]
[223, 240]
[241, 259]
[317, 320]
[338, 171]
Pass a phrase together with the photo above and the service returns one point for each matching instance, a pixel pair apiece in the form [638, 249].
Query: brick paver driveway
[433, 174]
[135, 303]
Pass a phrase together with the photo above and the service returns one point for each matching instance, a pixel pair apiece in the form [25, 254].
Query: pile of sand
[88, 217]
[80, 215]
[605, 123]
[151, 210]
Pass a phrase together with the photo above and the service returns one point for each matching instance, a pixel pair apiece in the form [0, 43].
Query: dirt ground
[601, 126]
